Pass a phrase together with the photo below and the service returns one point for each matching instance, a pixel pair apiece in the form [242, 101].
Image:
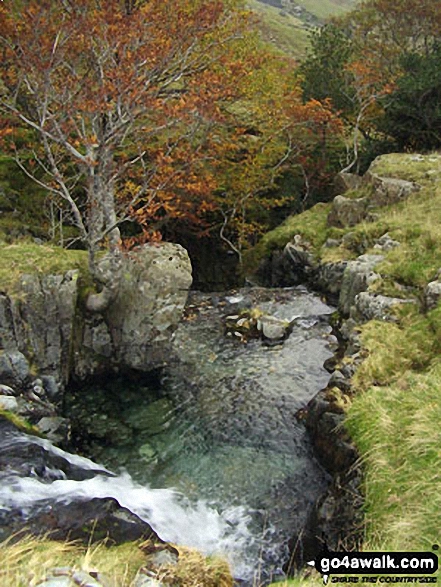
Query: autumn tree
[112, 91]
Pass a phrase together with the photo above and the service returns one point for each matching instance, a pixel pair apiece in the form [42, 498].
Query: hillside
[285, 23]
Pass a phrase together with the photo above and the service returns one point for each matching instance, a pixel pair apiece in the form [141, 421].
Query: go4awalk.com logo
[377, 567]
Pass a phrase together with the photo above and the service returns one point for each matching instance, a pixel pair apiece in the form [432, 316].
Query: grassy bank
[27, 562]
[395, 414]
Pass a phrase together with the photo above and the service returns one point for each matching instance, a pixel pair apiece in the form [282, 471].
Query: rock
[67, 577]
[151, 418]
[331, 243]
[149, 305]
[339, 380]
[55, 428]
[432, 294]
[51, 386]
[388, 190]
[6, 390]
[143, 580]
[148, 454]
[9, 403]
[357, 277]
[347, 211]
[370, 306]
[386, 243]
[343, 182]
[272, 328]
[14, 368]
[88, 521]
[328, 277]
[161, 558]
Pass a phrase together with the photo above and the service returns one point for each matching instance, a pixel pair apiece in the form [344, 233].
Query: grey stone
[51, 386]
[57, 582]
[343, 182]
[54, 427]
[339, 380]
[9, 403]
[272, 328]
[298, 251]
[432, 294]
[149, 304]
[6, 390]
[83, 579]
[389, 190]
[14, 368]
[357, 277]
[347, 211]
[332, 243]
[329, 276]
[162, 558]
[386, 243]
[370, 306]
[146, 581]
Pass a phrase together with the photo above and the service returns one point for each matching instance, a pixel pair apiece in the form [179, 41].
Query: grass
[25, 257]
[285, 31]
[29, 560]
[394, 417]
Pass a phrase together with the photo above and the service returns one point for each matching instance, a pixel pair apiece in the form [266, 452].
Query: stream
[211, 454]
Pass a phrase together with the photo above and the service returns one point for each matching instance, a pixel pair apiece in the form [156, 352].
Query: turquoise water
[221, 427]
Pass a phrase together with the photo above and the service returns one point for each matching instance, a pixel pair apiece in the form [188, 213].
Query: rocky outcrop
[46, 330]
[388, 190]
[382, 191]
[347, 211]
[357, 277]
[432, 294]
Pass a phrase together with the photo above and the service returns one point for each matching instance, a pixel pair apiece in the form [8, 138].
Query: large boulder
[347, 211]
[389, 190]
[151, 298]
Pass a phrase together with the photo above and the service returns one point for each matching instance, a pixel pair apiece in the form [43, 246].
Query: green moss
[29, 258]
[311, 224]
[20, 423]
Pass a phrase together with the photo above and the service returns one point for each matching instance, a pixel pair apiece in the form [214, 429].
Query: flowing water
[214, 457]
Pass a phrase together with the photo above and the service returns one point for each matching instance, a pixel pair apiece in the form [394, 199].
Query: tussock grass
[397, 429]
[195, 570]
[28, 561]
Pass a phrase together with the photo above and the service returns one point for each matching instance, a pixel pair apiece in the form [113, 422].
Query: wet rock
[347, 211]
[272, 328]
[357, 277]
[432, 295]
[51, 386]
[55, 428]
[90, 520]
[151, 418]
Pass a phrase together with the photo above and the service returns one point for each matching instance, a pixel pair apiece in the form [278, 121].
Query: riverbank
[380, 248]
